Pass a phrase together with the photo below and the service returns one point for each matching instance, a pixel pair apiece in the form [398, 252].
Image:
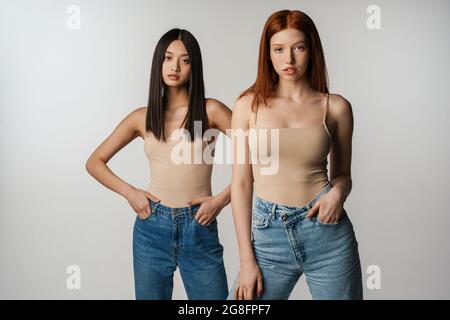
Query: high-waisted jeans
[287, 244]
[171, 237]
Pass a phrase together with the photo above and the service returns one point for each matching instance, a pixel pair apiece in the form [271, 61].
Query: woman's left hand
[329, 208]
[210, 208]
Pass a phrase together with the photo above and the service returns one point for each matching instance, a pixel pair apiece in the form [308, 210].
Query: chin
[290, 78]
[173, 83]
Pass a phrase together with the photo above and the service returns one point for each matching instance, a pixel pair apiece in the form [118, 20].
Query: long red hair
[267, 77]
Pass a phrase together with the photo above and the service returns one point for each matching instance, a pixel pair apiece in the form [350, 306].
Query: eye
[186, 61]
[301, 48]
[278, 50]
[167, 57]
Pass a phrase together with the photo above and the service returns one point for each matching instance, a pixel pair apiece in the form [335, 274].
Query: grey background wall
[63, 91]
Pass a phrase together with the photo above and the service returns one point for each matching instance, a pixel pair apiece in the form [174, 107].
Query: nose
[175, 66]
[289, 57]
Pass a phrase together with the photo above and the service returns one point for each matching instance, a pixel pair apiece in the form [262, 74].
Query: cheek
[165, 67]
[186, 70]
[302, 58]
[277, 61]
[302, 61]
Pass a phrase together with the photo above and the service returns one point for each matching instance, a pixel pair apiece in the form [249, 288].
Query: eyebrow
[279, 44]
[184, 54]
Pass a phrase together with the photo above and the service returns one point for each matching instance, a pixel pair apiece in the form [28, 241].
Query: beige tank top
[302, 162]
[176, 182]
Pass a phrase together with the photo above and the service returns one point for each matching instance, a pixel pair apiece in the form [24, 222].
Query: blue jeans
[287, 244]
[171, 237]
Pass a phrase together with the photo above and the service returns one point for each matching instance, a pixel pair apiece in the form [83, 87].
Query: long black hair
[157, 102]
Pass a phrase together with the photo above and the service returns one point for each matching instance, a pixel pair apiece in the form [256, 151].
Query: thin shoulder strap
[326, 107]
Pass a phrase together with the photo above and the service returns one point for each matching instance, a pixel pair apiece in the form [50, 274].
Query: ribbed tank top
[176, 183]
[302, 162]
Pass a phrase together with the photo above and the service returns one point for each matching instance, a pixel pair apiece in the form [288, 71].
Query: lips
[173, 76]
[290, 70]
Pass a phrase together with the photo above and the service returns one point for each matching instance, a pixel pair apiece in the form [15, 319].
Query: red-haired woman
[298, 221]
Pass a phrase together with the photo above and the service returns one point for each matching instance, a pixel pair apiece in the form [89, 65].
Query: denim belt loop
[273, 210]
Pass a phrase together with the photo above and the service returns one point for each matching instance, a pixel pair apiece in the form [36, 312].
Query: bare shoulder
[242, 111]
[137, 116]
[140, 112]
[215, 107]
[339, 104]
[340, 108]
[243, 105]
[219, 115]
[340, 114]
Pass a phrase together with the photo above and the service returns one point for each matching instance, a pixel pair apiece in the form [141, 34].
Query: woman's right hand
[139, 201]
[249, 279]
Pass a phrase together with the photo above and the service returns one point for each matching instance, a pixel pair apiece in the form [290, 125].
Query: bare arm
[250, 277]
[242, 183]
[220, 116]
[125, 132]
[341, 150]
[329, 208]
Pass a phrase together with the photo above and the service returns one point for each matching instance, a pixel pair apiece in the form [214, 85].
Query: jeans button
[284, 217]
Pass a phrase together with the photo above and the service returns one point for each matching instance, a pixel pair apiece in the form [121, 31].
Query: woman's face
[289, 54]
[176, 68]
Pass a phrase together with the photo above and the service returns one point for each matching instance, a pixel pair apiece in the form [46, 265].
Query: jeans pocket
[321, 223]
[152, 211]
[259, 221]
[194, 213]
[204, 226]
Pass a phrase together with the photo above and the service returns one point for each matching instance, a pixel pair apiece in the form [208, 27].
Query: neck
[176, 97]
[293, 90]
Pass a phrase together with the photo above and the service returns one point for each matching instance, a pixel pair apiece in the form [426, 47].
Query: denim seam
[174, 238]
[296, 246]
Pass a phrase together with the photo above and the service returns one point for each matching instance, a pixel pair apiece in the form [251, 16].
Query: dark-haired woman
[176, 222]
[298, 221]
